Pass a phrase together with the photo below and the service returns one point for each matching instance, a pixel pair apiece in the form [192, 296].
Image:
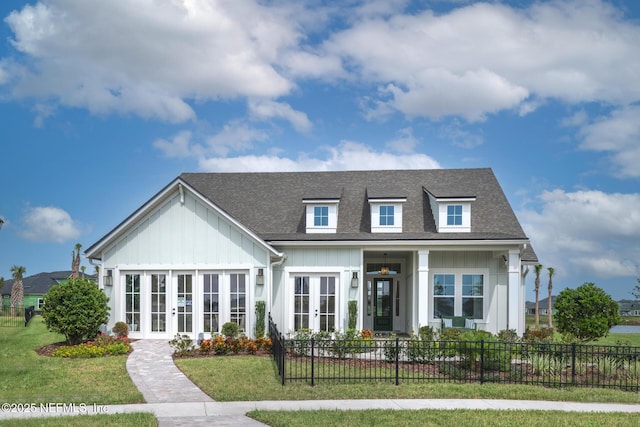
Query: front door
[159, 304]
[314, 303]
[183, 309]
[383, 305]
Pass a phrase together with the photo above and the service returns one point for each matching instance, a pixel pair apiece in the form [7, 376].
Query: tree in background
[538, 270]
[635, 292]
[75, 309]
[551, 271]
[17, 290]
[587, 312]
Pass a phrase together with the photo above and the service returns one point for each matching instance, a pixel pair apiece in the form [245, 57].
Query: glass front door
[314, 303]
[184, 303]
[383, 305]
[159, 303]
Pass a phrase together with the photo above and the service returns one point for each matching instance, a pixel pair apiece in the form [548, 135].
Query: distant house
[629, 307]
[408, 246]
[543, 306]
[35, 287]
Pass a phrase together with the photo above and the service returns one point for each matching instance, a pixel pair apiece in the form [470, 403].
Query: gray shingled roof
[39, 284]
[270, 204]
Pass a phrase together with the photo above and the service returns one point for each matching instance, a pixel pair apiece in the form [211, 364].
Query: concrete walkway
[176, 401]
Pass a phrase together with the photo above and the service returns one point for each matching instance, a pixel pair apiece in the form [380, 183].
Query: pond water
[625, 329]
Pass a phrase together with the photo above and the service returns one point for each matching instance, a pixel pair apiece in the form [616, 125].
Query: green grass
[241, 378]
[101, 420]
[30, 378]
[617, 339]
[453, 418]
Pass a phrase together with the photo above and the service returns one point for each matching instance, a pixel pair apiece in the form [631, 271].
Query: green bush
[121, 329]
[182, 344]
[260, 324]
[427, 333]
[586, 312]
[421, 351]
[353, 314]
[75, 309]
[103, 345]
[230, 329]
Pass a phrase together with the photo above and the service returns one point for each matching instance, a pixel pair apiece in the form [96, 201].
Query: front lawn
[100, 420]
[30, 378]
[242, 378]
[453, 418]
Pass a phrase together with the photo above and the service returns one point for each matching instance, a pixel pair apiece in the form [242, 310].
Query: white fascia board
[406, 244]
[97, 248]
[387, 200]
[321, 201]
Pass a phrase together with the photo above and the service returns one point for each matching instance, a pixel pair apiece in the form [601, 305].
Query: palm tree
[75, 262]
[17, 290]
[550, 303]
[538, 270]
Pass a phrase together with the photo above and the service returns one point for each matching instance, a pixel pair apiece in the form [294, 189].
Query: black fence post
[312, 362]
[481, 361]
[397, 358]
[573, 363]
[283, 352]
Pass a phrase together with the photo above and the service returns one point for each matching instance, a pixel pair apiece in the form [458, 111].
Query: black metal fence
[16, 317]
[397, 361]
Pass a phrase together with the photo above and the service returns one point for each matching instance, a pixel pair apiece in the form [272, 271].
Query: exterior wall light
[354, 280]
[260, 277]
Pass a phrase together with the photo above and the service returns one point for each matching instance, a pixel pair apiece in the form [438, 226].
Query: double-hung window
[321, 216]
[454, 215]
[458, 294]
[386, 215]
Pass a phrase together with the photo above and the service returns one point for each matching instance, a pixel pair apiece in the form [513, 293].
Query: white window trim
[397, 215]
[465, 227]
[457, 303]
[332, 225]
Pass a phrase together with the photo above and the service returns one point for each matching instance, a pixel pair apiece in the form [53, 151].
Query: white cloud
[234, 136]
[178, 146]
[148, 58]
[346, 156]
[267, 109]
[586, 233]
[405, 142]
[49, 224]
[488, 57]
[160, 59]
[618, 133]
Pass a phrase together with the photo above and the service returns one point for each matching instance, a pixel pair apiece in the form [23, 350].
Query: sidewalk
[176, 401]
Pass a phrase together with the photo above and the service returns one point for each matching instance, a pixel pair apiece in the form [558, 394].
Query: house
[628, 308]
[543, 306]
[35, 287]
[410, 246]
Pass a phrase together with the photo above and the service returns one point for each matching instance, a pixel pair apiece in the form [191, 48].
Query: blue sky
[103, 103]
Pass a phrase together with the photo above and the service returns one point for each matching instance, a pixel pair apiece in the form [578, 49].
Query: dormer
[452, 214]
[386, 211]
[322, 213]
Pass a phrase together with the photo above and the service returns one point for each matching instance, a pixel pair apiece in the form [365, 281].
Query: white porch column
[423, 288]
[514, 292]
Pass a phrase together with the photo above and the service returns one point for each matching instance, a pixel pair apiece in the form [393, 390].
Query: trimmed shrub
[230, 329]
[260, 324]
[75, 309]
[121, 329]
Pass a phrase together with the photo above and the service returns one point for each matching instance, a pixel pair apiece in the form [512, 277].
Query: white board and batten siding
[189, 237]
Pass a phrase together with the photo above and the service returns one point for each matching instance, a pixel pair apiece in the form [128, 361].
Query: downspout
[282, 259]
[181, 190]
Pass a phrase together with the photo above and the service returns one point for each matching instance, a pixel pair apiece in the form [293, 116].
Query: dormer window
[452, 214]
[321, 215]
[386, 215]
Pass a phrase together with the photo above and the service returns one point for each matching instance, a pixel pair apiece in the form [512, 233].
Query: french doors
[315, 302]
